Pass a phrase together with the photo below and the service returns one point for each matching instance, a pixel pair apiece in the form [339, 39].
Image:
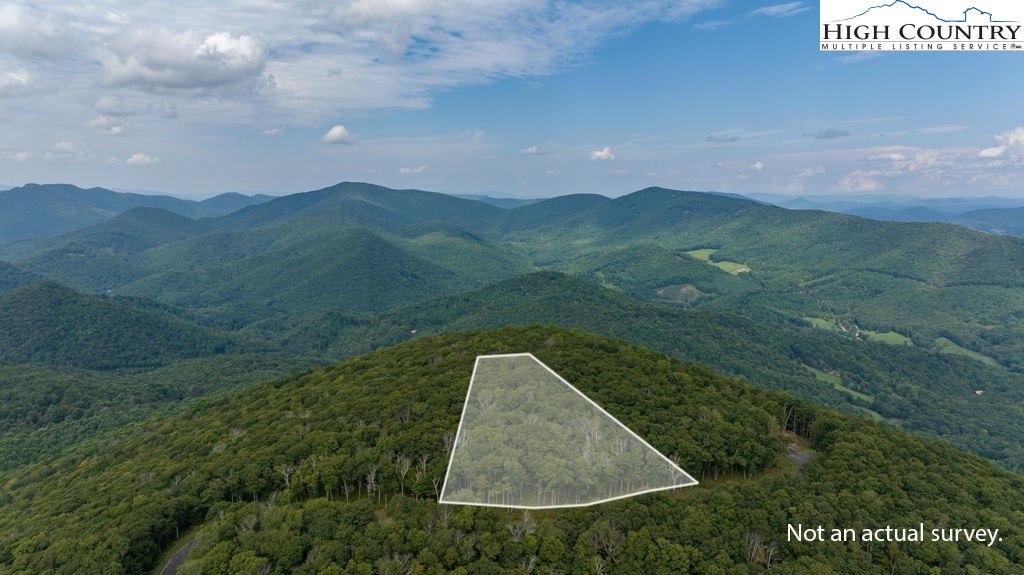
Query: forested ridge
[336, 471]
[129, 350]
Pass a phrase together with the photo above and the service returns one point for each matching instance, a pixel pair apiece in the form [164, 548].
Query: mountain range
[114, 332]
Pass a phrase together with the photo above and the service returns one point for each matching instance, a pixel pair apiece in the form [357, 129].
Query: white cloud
[1014, 137]
[602, 154]
[108, 125]
[781, 10]
[888, 157]
[1007, 140]
[757, 166]
[337, 135]
[531, 151]
[619, 172]
[64, 147]
[140, 159]
[416, 170]
[156, 59]
[272, 132]
[860, 181]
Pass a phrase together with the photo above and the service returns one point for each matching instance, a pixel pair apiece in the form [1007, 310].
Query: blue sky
[512, 98]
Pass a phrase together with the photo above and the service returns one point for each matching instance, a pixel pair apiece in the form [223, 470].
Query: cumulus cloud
[781, 10]
[1007, 140]
[184, 61]
[62, 152]
[140, 159]
[992, 152]
[860, 181]
[602, 154]
[531, 151]
[32, 33]
[273, 132]
[829, 134]
[757, 166]
[416, 170]
[810, 172]
[337, 135]
[108, 125]
[1014, 137]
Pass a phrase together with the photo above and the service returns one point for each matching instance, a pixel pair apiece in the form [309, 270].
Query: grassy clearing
[704, 255]
[836, 382]
[821, 323]
[948, 347]
[889, 337]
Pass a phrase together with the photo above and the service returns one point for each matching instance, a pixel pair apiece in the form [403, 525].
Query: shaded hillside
[107, 255]
[995, 221]
[51, 324]
[336, 470]
[45, 410]
[929, 280]
[233, 201]
[34, 210]
[918, 390]
[12, 277]
[370, 205]
[289, 269]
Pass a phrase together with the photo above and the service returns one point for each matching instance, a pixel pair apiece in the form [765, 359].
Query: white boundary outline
[458, 434]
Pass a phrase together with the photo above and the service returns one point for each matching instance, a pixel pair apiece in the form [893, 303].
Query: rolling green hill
[45, 410]
[915, 389]
[285, 269]
[50, 324]
[337, 470]
[370, 205]
[12, 277]
[996, 221]
[34, 211]
[107, 255]
[929, 281]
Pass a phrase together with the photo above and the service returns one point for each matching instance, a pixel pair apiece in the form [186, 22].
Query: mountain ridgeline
[131, 338]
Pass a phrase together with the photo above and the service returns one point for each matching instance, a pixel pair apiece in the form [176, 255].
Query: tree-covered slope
[371, 205]
[996, 221]
[33, 210]
[45, 410]
[915, 389]
[337, 470]
[12, 276]
[929, 281]
[286, 269]
[51, 324]
[106, 255]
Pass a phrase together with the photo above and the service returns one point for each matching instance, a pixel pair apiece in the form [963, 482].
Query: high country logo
[954, 25]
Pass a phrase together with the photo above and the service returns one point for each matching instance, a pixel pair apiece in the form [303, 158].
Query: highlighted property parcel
[528, 439]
